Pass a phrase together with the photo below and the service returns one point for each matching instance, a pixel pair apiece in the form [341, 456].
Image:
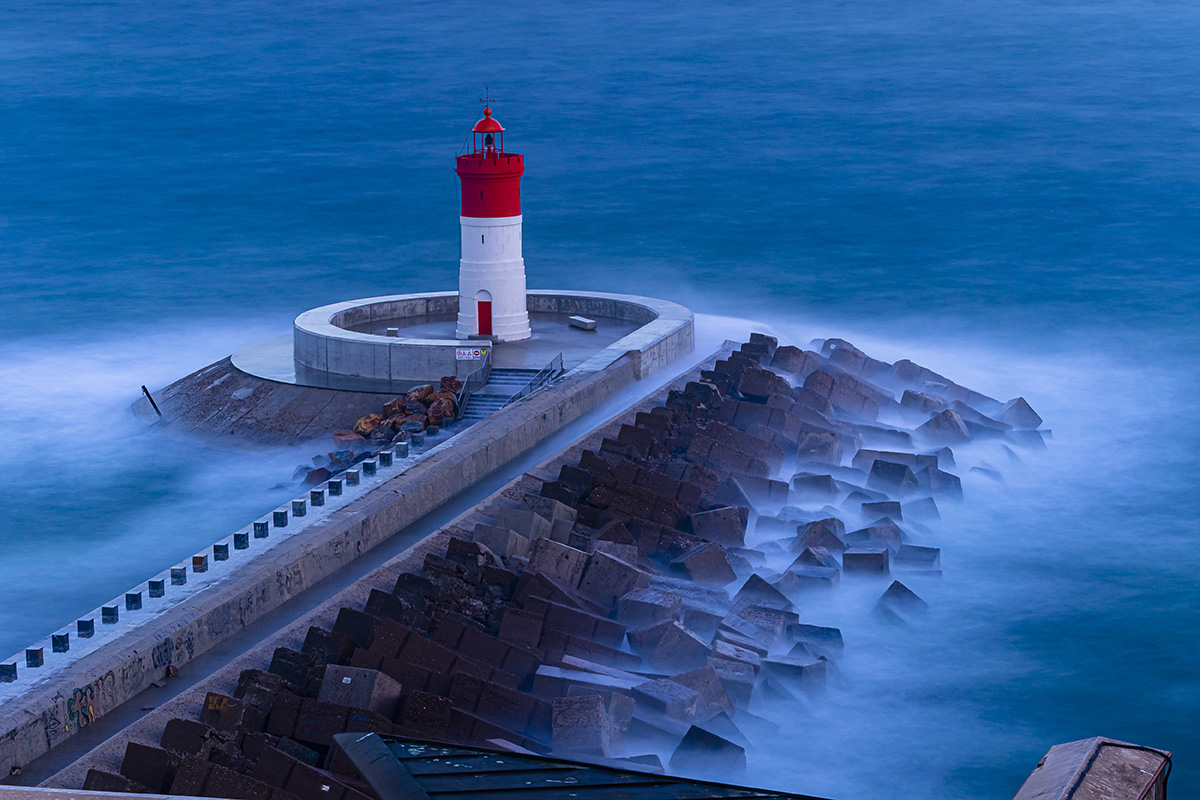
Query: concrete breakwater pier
[637, 597]
[130, 646]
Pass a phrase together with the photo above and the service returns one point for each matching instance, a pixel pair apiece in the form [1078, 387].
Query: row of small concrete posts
[111, 615]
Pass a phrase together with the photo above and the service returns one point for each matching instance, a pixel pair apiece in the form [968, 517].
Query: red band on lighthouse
[491, 184]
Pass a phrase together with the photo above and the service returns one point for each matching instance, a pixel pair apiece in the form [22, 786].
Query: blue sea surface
[1006, 191]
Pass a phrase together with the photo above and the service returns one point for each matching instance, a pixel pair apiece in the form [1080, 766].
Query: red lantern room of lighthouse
[491, 276]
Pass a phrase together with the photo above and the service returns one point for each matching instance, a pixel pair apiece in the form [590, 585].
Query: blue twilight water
[1005, 190]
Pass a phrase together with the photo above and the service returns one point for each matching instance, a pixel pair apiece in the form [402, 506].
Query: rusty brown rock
[451, 384]
[347, 440]
[366, 424]
[440, 410]
[393, 407]
[418, 394]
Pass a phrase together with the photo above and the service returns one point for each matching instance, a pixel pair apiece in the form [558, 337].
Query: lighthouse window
[481, 238]
[480, 194]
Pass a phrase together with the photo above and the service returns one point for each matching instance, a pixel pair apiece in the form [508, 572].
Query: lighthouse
[491, 275]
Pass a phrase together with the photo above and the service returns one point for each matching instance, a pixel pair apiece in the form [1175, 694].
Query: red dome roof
[487, 124]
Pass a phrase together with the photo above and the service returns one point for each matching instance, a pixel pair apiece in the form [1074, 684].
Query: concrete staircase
[497, 392]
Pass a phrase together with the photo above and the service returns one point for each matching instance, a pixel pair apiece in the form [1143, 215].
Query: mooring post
[153, 404]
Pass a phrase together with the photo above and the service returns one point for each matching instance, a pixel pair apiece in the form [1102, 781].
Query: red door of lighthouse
[483, 313]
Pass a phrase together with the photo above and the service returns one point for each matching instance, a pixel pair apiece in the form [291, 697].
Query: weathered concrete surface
[103, 680]
[1097, 769]
[148, 729]
[223, 403]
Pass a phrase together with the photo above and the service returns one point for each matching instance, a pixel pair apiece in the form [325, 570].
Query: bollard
[393, 332]
[85, 628]
[280, 518]
[299, 508]
[221, 552]
[241, 541]
[418, 439]
[335, 487]
[385, 458]
[316, 497]
[158, 589]
[433, 430]
[199, 564]
[34, 657]
[369, 466]
[178, 576]
[109, 615]
[401, 449]
[8, 672]
[352, 477]
[133, 601]
[60, 642]
[261, 530]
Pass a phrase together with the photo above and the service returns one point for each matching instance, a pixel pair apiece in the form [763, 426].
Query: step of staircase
[502, 385]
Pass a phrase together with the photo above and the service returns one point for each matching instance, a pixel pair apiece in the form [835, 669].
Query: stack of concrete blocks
[640, 595]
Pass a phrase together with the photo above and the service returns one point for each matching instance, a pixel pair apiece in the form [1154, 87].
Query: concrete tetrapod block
[900, 602]
[706, 563]
[528, 523]
[702, 751]
[918, 557]
[947, 427]
[887, 476]
[360, 688]
[643, 640]
[558, 561]
[1018, 413]
[816, 637]
[816, 557]
[756, 591]
[581, 724]
[725, 526]
[644, 607]
[712, 699]
[866, 558]
[808, 673]
[801, 578]
[668, 697]
[502, 541]
[883, 530]
[679, 649]
[940, 483]
[821, 533]
[606, 578]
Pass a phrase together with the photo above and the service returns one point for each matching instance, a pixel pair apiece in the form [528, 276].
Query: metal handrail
[471, 383]
[543, 376]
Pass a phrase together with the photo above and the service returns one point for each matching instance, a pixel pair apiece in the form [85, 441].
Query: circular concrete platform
[344, 345]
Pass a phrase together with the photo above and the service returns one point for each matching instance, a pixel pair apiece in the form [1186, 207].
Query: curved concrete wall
[322, 342]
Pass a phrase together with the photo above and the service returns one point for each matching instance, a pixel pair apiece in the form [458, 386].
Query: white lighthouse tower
[491, 275]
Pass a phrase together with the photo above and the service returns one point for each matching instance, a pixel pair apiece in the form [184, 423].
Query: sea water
[1006, 192]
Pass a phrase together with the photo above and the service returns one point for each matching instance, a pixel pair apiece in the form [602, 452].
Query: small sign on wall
[469, 353]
